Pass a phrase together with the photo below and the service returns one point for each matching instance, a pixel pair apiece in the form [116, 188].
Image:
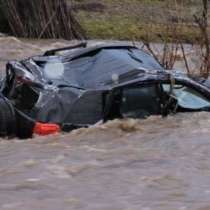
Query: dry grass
[130, 19]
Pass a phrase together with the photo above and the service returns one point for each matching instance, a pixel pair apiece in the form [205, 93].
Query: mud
[153, 164]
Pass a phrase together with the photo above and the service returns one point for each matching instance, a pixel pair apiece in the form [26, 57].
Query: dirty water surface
[152, 164]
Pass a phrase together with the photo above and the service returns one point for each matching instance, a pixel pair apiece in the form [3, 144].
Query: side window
[140, 102]
[186, 97]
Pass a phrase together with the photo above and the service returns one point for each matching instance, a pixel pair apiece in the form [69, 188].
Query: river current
[153, 164]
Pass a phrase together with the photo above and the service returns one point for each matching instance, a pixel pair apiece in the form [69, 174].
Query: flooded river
[153, 164]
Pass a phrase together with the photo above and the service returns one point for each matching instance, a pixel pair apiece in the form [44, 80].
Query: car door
[138, 101]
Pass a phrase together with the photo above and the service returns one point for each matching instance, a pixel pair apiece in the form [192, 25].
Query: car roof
[96, 66]
[71, 55]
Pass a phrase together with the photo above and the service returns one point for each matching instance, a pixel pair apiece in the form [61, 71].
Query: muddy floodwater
[152, 164]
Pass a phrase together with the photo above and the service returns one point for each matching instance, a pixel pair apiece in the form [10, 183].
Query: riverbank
[137, 19]
[155, 20]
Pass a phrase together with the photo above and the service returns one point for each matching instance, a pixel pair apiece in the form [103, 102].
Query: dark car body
[85, 85]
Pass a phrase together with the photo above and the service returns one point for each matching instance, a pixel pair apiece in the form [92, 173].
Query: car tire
[7, 119]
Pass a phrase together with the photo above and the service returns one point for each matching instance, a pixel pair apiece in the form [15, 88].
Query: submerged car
[84, 85]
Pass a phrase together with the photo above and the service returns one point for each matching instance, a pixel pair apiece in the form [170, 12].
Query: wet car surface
[79, 85]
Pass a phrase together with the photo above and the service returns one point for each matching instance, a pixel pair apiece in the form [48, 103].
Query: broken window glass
[187, 98]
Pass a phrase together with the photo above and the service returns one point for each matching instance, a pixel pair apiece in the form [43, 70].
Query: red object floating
[44, 129]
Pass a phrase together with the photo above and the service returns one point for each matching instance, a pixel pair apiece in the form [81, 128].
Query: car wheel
[7, 119]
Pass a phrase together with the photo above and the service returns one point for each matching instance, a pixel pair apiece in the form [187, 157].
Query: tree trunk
[40, 19]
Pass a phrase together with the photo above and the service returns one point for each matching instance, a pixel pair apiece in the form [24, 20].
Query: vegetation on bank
[39, 19]
[126, 29]
[117, 19]
[137, 19]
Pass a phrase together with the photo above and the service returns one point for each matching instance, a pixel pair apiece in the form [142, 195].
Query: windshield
[187, 97]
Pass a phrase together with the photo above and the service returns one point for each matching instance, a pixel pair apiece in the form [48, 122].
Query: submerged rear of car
[51, 93]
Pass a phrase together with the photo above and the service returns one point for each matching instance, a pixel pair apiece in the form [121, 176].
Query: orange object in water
[44, 129]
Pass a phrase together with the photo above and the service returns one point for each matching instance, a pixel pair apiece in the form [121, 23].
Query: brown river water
[152, 164]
